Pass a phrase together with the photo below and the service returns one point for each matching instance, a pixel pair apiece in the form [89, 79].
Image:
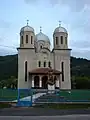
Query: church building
[36, 61]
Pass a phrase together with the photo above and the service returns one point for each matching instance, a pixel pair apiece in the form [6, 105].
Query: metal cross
[40, 29]
[59, 23]
[27, 22]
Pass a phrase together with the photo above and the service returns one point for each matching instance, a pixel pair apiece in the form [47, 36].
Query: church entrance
[44, 82]
[36, 82]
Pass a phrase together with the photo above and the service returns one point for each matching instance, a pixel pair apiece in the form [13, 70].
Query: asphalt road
[67, 117]
[40, 112]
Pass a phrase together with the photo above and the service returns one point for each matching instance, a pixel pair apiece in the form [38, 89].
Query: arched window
[31, 39]
[61, 39]
[49, 64]
[21, 39]
[25, 71]
[39, 64]
[66, 40]
[41, 46]
[26, 38]
[44, 64]
[56, 40]
[62, 66]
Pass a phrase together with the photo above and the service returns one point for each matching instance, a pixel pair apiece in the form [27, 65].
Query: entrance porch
[39, 78]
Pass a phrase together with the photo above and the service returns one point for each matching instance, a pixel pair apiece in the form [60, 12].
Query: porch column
[32, 81]
[40, 81]
[57, 83]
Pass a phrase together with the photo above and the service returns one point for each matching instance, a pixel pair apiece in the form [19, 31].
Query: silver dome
[41, 36]
[60, 29]
[27, 28]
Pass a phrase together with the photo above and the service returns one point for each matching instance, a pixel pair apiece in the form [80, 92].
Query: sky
[73, 14]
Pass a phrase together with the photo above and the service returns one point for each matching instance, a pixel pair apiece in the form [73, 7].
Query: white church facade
[36, 59]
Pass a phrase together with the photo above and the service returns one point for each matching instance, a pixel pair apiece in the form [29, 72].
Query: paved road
[40, 112]
[67, 117]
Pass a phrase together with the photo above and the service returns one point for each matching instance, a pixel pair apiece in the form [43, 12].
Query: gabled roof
[44, 71]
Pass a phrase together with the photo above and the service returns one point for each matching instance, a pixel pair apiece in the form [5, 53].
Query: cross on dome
[27, 22]
[40, 29]
[59, 23]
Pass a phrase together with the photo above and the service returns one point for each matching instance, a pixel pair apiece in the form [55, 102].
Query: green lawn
[9, 95]
[76, 94]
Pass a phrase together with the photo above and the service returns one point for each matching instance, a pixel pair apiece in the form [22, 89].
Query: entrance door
[44, 82]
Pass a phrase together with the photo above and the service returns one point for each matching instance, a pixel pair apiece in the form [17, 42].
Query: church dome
[42, 36]
[27, 28]
[60, 29]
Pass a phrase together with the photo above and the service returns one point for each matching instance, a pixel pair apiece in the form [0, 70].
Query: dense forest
[80, 70]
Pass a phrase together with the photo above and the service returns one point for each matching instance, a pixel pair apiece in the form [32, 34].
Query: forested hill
[9, 65]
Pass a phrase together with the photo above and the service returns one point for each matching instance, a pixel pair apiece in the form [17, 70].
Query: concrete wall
[63, 56]
[29, 56]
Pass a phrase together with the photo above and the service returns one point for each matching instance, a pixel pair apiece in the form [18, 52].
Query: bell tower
[60, 38]
[62, 55]
[27, 37]
[26, 55]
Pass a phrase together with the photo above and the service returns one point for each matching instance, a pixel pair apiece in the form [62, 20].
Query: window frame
[31, 39]
[39, 63]
[61, 39]
[26, 39]
[44, 64]
[66, 40]
[62, 67]
[57, 39]
[26, 71]
[49, 64]
[21, 39]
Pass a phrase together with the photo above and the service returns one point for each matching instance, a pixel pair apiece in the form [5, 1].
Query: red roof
[44, 71]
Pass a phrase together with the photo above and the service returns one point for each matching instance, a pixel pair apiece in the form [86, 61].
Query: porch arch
[36, 82]
[44, 82]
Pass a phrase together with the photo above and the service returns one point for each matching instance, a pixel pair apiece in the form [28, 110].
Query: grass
[10, 94]
[76, 94]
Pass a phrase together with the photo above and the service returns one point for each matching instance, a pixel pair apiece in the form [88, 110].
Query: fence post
[18, 98]
[31, 97]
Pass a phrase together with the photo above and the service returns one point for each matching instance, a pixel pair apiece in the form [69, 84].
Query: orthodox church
[37, 62]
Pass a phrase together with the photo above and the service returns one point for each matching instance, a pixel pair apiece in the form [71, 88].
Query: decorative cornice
[24, 48]
[60, 49]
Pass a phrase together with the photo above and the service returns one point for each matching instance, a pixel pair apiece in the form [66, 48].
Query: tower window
[26, 38]
[61, 39]
[25, 71]
[21, 39]
[41, 46]
[65, 40]
[49, 64]
[56, 40]
[31, 39]
[62, 66]
[44, 64]
[39, 64]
